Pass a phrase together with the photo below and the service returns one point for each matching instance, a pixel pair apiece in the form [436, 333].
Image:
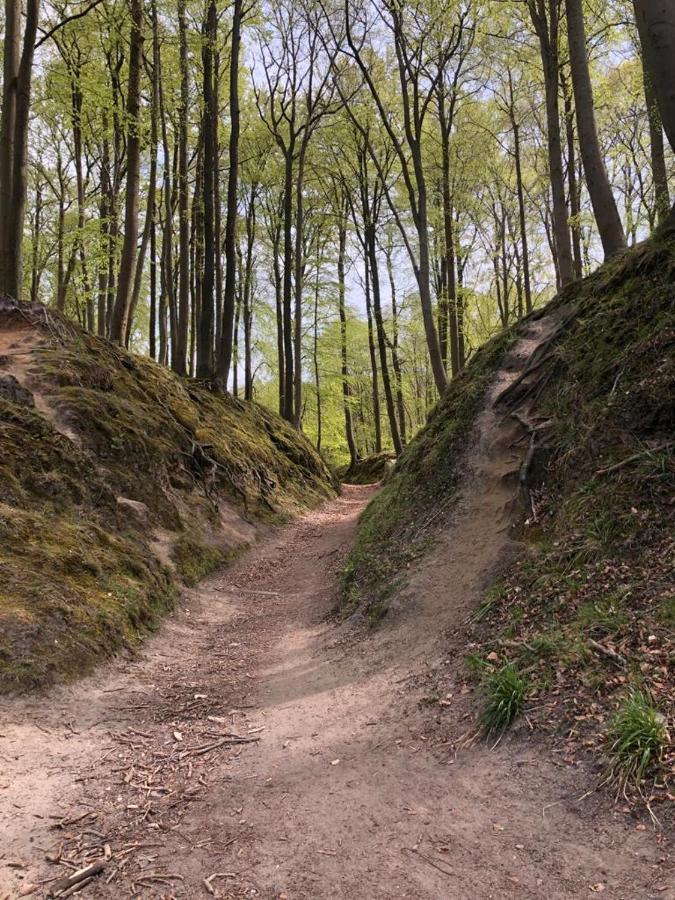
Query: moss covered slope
[586, 618]
[119, 480]
[395, 526]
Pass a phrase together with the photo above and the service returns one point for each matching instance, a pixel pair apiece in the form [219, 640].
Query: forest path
[256, 744]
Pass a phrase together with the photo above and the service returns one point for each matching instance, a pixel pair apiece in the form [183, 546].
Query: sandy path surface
[256, 748]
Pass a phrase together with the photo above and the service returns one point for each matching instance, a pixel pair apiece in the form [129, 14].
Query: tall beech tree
[599, 188]
[325, 206]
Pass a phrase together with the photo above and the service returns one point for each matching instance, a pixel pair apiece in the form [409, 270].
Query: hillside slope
[118, 481]
[582, 623]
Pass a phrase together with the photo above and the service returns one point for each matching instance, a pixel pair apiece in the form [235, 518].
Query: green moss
[77, 580]
[369, 470]
[195, 558]
[393, 527]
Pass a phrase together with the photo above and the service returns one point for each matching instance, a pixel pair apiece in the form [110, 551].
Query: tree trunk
[299, 267]
[17, 80]
[395, 361]
[317, 379]
[346, 387]
[35, 255]
[225, 349]
[278, 298]
[599, 188]
[288, 285]
[381, 338]
[658, 159]
[205, 331]
[373, 360]
[545, 21]
[522, 218]
[656, 27]
[183, 304]
[248, 293]
[118, 325]
[573, 183]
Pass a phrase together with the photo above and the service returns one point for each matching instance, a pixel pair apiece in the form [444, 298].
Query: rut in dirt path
[258, 749]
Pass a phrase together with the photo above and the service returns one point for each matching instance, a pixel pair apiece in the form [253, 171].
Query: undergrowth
[637, 738]
[505, 693]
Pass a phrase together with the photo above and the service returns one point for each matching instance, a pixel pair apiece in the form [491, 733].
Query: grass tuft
[636, 740]
[505, 691]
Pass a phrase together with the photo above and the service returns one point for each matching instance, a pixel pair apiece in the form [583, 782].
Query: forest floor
[257, 747]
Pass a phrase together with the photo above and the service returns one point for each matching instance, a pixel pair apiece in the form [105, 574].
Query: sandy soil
[260, 745]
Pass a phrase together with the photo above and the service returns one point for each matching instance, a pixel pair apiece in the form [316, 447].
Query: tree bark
[125, 282]
[346, 386]
[205, 331]
[656, 27]
[225, 349]
[545, 18]
[17, 82]
[658, 159]
[183, 304]
[599, 188]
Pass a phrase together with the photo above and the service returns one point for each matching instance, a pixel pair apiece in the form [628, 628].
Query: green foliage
[636, 740]
[505, 692]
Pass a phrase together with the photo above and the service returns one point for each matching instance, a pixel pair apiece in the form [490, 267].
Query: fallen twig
[607, 651]
[229, 739]
[635, 456]
[59, 888]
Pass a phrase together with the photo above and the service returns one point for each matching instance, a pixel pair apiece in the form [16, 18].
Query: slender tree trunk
[599, 188]
[377, 423]
[183, 304]
[248, 293]
[371, 250]
[125, 283]
[423, 278]
[18, 71]
[237, 318]
[656, 27]
[395, 361]
[298, 283]
[205, 329]
[288, 285]
[152, 330]
[278, 297]
[545, 17]
[658, 159]
[150, 210]
[35, 255]
[346, 386]
[225, 350]
[445, 121]
[573, 183]
[522, 218]
[218, 230]
[317, 379]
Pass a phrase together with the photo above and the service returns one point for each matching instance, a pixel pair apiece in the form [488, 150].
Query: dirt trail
[256, 741]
